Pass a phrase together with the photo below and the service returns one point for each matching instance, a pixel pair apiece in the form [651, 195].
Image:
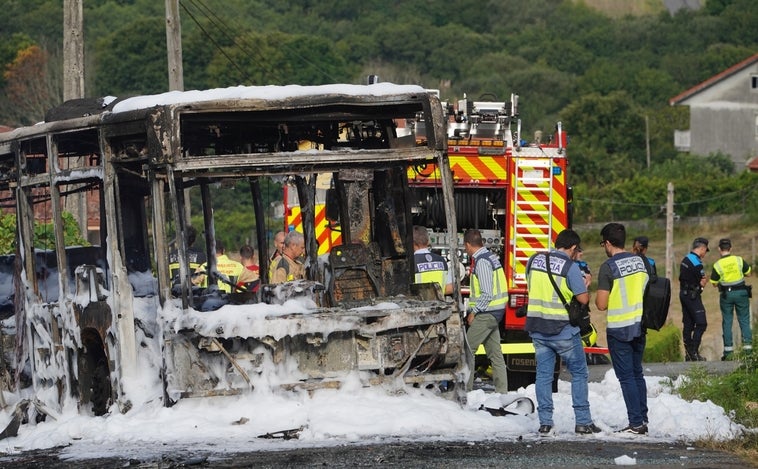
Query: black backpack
[655, 303]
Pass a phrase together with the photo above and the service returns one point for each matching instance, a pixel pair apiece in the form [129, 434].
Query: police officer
[428, 266]
[639, 247]
[728, 276]
[621, 282]
[692, 279]
[486, 307]
[547, 322]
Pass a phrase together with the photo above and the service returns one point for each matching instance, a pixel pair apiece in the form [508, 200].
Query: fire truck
[516, 193]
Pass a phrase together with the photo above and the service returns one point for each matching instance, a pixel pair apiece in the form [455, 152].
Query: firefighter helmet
[589, 338]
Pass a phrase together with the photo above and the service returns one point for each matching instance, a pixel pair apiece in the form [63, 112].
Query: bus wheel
[94, 373]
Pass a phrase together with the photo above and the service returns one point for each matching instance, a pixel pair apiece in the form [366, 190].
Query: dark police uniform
[694, 321]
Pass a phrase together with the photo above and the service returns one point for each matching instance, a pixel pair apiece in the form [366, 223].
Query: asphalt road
[591, 452]
[670, 370]
[527, 453]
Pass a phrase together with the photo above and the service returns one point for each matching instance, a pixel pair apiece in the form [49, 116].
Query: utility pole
[647, 140]
[175, 68]
[669, 229]
[174, 46]
[73, 50]
[73, 88]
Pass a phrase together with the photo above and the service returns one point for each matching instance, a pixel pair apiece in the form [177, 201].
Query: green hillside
[605, 68]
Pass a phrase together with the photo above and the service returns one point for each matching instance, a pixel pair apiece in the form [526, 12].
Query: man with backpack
[620, 291]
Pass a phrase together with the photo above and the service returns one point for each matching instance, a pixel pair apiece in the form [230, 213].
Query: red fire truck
[516, 193]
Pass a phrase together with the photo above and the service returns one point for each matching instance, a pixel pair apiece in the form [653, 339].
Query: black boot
[688, 355]
[692, 355]
[695, 354]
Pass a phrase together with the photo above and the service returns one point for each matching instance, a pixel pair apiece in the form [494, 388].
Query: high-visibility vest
[430, 267]
[730, 270]
[630, 278]
[499, 284]
[546, 312]
[229, 267]
[195, 258]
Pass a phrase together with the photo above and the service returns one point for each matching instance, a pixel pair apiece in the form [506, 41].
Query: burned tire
[101, 388]
[94, 373]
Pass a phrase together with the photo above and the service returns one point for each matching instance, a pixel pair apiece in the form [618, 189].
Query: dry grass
[743, 242]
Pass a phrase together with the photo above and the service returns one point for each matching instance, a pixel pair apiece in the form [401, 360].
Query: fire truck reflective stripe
[326, 237]
[467, 168]
[481, 168]
[295, 218]
[537, 208]
[525, 348]
[508, 349]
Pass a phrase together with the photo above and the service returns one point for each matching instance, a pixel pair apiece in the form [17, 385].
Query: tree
[31, 87]
[278, 58]
[132, 59]
[607, 136]
[43, 233]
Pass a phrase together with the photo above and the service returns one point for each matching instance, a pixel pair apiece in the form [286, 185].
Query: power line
[210, 38]
[221, 27]
[293, 52]
[248, 48]
[743, 192]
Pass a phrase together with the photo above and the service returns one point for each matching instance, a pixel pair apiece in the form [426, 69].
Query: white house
[723, 114]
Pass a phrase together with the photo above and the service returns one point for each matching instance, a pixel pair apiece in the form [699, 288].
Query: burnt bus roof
[240, 98]
[249, 117]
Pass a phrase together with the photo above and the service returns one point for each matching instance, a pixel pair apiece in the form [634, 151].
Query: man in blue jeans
[547, 322]
[621, 285]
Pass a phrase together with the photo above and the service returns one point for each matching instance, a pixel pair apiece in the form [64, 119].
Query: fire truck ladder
[533, 214]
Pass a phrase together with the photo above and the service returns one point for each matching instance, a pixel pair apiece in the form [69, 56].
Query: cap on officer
[701, 242]
[642, 241]
[725, 244]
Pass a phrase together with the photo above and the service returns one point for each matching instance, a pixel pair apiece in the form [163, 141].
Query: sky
[354, 414]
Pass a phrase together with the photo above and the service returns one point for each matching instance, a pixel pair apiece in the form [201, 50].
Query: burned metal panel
[202, 363]
[155, 153]
[321, 356]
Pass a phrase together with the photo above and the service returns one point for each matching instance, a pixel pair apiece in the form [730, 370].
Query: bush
[736, 392]
[663, 346]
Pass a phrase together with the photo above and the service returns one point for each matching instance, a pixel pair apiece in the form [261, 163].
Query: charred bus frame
[93, 321]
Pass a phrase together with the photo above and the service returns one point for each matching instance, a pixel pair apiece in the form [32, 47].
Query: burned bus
[107, 323]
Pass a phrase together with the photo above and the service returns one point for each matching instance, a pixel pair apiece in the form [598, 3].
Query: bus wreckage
[95, 324]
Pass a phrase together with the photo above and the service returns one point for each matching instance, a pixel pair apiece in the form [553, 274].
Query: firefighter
[229, 269]
[249, 279]
[428, 266]
[728, 276]
[288, 265]
[692, 279]
[274, 259]
[486, 307]
[195, 257]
